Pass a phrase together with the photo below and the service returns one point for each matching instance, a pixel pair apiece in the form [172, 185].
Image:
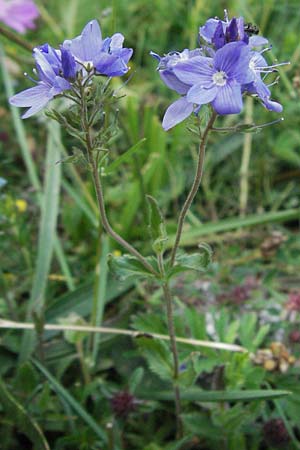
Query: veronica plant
[227, 66]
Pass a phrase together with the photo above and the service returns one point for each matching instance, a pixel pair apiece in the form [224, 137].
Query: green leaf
[156, 225]
[21, 419]
[127, 266]
[136, 379]
[196, 395]
[64, 394]
[194, 261]
[158, 357]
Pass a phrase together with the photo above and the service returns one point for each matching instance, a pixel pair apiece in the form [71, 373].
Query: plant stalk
[99, 190]
[244, 170]
[194, 188]
[172, 336]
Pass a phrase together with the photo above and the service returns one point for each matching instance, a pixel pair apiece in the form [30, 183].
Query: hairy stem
[172, 335]
[195, 186]
[99, 189]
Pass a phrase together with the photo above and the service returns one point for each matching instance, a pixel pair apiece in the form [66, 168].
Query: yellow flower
[21, 205]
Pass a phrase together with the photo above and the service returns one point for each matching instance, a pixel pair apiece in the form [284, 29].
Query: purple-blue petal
[176, 113]
[201, 95]
[170, 80]
[232, 32]
[36, 98]
[117, 40]
[257, 41]
[218, 38]
[196, 70]
[208, 30]
[272, 106]
[228, 99]
[110, 65]
[233, 59]
[68, 64]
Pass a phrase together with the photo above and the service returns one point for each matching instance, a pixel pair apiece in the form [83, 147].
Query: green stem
[244, 171]
[14, 37]
[172, 335]
[99, 189]
[195, 186]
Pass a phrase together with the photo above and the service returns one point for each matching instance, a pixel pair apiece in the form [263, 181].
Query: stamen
[287, 63]
[226, 18]
[30, 78]
[274, 82]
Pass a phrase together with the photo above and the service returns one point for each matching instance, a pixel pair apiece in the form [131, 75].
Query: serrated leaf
[127, 266]
[194, 261]
[157, 225]
[158, 357]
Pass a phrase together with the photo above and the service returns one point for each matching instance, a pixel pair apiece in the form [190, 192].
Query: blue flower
[218, 80]
[51, 82]
[258, 65]
[106, 57]
[181, 108]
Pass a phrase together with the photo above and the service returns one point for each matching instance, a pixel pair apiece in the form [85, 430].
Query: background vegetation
[95, 391]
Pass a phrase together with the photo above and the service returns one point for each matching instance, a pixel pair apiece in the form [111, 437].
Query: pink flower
[18, 14]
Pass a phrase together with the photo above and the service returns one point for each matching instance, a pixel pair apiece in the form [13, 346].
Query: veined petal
[59, 85]
[176, 113]
[36, 108]
[208, 30]
[31, 96]
[110, 65]
[117, 40]
[228, 99]
[233, 59]
[68, 63]
[170, 80]
[87, 46]
[36, 97]
[257, 41]
[45, 70]
[124, 53]
[272, 106]
[91, 40]
[196, 70]
[200, 95]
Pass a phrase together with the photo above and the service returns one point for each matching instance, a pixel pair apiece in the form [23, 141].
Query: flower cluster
[18, 14]
[228, 64]
[81, 58]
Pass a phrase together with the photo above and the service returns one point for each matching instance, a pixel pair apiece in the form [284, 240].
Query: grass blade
[100, 294]
[21, 419]
[49, 213]
[191, 236]
[30, 165]
[61, 391]
[124, 157]
[196, 395]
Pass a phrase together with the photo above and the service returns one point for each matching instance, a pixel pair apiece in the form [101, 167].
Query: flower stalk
[93, 160]
[195, 186]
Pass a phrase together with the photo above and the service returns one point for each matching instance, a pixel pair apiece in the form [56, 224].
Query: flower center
[219, 78]
[252, 64]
